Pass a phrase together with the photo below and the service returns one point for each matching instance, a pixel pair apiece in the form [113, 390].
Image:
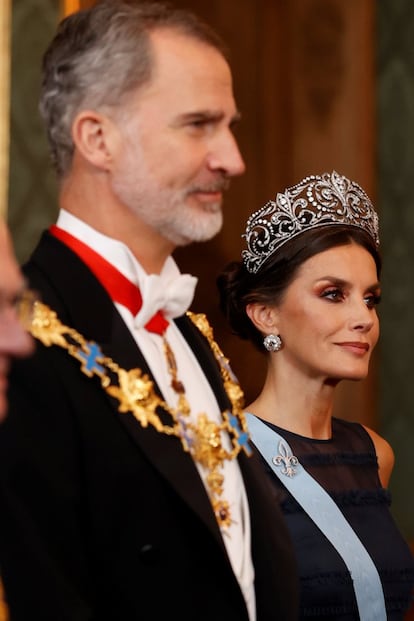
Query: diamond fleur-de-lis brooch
[286, 459]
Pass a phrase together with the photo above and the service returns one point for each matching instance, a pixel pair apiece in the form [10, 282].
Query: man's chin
[201, 231]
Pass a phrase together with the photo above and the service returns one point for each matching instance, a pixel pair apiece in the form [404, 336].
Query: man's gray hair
[98, 56]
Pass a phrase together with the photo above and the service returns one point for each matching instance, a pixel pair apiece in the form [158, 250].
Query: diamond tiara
[317, 200]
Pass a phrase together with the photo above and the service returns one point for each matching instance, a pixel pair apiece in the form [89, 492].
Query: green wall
[395, 198]
[32, 190]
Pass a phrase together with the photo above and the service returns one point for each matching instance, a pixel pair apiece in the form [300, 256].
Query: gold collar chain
[135, 393]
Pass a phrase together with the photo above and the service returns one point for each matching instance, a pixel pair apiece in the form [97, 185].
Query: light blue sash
[327, 516]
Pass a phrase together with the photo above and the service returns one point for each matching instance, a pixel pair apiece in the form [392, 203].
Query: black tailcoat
[100, 518]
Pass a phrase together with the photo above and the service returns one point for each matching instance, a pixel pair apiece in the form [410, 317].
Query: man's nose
[226, 156]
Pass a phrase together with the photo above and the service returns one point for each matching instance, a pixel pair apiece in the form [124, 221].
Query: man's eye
[201, 124]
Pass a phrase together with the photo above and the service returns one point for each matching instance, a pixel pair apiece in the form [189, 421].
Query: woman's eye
[372, 300]
[335, 295]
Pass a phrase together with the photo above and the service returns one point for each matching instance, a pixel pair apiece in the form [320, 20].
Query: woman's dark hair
[237, 287]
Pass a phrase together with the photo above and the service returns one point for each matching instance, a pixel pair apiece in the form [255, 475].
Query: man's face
[14, 340]
[176, 151]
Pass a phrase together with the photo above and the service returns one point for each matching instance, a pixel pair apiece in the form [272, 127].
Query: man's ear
[91, 133]
[263, 317]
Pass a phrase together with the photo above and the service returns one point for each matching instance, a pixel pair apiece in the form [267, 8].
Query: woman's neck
[305, 408]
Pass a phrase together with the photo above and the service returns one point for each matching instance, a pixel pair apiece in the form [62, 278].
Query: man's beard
[169, 211]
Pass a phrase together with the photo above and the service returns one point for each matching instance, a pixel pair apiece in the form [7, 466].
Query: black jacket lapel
[70, 286]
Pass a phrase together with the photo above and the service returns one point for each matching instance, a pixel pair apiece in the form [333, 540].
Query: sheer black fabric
[346, 466]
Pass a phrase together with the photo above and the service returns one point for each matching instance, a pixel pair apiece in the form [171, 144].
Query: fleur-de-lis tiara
[317, 200]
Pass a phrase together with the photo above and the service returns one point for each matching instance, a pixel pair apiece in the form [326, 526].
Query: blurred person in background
[15, 342]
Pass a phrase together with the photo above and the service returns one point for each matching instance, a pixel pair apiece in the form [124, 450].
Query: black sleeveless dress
[346, 466]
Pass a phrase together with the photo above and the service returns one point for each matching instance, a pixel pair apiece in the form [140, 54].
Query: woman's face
[328, 319]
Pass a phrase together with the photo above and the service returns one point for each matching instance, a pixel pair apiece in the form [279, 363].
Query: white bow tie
[172, 296]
